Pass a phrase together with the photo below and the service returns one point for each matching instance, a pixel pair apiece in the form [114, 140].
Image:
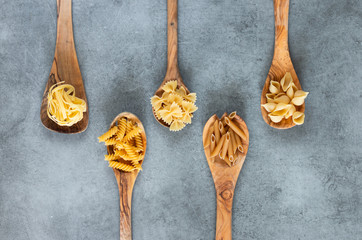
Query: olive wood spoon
[125, 181]
[172, 72]
[65, 68]
[281, 63]
[225, 179]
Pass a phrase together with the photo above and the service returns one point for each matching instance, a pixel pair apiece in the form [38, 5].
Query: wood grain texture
[126, 181]
[65, 68]
[225, 179]
[173, 72]
[281, 63]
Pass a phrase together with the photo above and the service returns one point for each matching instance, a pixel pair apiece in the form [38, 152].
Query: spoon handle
[281, 11]
[125, 185]
[224, 199]
[172, 65]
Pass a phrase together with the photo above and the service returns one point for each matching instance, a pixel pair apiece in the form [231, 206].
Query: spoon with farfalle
[173, 104]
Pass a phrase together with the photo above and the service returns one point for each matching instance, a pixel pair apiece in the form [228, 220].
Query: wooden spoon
[125, 181]
[172, 72]
[281, 63]
[225, 179]
[65, 68]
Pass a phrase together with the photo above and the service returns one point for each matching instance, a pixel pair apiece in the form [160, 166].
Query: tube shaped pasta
[221, 128]
[218, 147]
[230, 151]
[225, 146]
[233, 141]
[235, 128]
[217, 131]
[232, 115]
[212, 145]
[208, 137]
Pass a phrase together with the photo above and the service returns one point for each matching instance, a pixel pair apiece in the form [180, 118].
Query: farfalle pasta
[175, 107]
[283, 100]
[127, 150]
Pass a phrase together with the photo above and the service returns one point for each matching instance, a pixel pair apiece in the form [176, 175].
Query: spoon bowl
[282, 63]
[65, 69]
[126, 181]
[225, 178]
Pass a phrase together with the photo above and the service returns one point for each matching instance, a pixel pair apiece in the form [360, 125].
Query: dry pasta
[283, 100]
[127, 148]
[175, 107]
[230, 144]
[64, 108]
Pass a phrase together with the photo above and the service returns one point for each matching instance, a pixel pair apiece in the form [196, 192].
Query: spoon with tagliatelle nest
[281, 63]
[172, 72]
[126, 180]
[231, 133]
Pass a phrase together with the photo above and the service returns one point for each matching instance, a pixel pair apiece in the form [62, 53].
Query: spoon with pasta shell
[281, 63]
[126, 181]
[225, 176]
[172, 72]
[65, 69]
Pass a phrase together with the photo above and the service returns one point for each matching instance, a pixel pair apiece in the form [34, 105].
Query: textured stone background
[303, 183]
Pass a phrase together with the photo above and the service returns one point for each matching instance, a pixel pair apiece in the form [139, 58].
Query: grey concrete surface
[302, 183]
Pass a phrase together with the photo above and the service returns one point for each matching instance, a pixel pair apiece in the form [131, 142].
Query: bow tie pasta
[175, 107]
[283, 100]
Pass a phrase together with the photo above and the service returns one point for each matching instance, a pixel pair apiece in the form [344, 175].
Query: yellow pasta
[126, 144]
[121, 166]
[64, 108]
[225, 145]
[217, 131]
[284, 92]
[235, 128]
[218, 147]
[212, 139]
[298, 118]
[221, 128]
[233, 141]
[108, 134]
[232, 115]
[175, 107]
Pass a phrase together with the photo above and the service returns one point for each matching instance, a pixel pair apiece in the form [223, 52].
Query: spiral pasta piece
[121, 166]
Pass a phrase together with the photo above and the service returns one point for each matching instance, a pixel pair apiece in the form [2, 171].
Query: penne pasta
[240, 148]
[225, 146]
[212, 145]
[218, 147]
[221, 128]
[208, 137]
[235, 128]
[233, 141]
[216, 131]
[230, 151]
[232, 115]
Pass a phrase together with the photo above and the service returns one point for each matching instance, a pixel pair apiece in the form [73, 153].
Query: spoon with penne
[282, 98]
[126, 145]
[171, 101]
[226, 143]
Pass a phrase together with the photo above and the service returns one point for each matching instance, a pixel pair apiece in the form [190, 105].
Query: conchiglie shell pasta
[298, 118]
[274, 87]
[282, 98]
[270, 97]
[291, 90]
[269, 107]
[299, 97]
[286, 81]
[291, 111]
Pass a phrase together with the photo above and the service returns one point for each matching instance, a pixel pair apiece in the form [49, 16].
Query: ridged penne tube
[274, 87]
[208, 137]
[218, 146]
[225, 146]
[240, 149]
[269, 107]
[238, 140]
[221, 128]
[232, 115]
[108, 134]
[286, 81]
[212, 145]
[230, 151]
[235, 128]
[298, 118]
[217, 131]
[233, 141]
